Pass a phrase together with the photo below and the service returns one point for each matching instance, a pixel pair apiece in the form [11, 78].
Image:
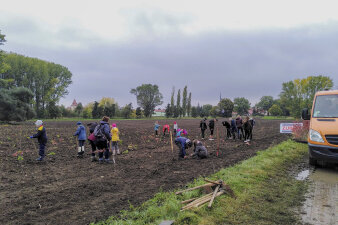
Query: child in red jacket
[165, 129]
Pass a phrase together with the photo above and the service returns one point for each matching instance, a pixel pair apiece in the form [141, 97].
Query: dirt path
[321, 205]
[68, 190]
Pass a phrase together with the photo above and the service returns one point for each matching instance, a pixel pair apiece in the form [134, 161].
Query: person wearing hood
[103, 137]
[41, 135]
[200, 150]
[81, 136]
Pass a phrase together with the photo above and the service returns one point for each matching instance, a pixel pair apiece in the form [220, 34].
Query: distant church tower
[73, 105]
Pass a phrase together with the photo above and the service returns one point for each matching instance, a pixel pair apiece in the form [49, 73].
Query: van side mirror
[305, 114]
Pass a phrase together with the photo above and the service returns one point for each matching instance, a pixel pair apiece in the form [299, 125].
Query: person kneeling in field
[115, 138]
[102, 137]
[183, 144]
[91, 139]
[199, 150]
[81, 133]
[41, 135]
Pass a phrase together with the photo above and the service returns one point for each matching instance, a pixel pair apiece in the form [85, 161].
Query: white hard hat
[38, 123]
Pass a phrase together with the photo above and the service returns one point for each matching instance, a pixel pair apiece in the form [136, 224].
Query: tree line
[295, 96]
[44, 84]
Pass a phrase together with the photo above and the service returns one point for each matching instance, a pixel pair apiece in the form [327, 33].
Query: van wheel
[312, 161]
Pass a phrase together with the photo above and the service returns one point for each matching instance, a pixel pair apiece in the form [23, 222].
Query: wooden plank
[213, 196]
[189, 200]
[213, 182]
[194, 188]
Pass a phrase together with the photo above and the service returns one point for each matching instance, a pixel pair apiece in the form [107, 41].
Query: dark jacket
[41, 135]
[203, 125]
[106, 129]
[247, 126]
[239, 122]
[211, 124]
[226, 124]
[181, 141]
[81, 133]
[233, 125]
[92, 127]
[200, 151]
[252, 121]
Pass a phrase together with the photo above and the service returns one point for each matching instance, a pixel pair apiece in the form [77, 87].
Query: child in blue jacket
[183, 143]
[81, 133]
[156, 127]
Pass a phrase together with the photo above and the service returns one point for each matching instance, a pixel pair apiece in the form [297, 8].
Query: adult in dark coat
[203, 126]
[247, 129]
[212, 127]
[227, 127]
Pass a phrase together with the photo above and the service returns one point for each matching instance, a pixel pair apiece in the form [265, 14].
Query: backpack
[99, 134]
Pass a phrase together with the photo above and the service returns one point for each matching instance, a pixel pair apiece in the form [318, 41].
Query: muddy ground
[321, 204]
[68, 190]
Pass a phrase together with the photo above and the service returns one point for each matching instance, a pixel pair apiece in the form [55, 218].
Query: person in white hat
[41, 135]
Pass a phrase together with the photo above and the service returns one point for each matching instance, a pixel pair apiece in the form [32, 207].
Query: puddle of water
[321, 205]
[303, 175]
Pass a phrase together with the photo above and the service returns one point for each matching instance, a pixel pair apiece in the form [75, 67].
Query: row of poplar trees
[178, 109]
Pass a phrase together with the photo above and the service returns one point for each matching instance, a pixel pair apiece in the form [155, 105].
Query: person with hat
[183, 144]
[81, 133]
[41, 135]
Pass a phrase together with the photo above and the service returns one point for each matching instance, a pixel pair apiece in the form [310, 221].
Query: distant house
[73, 105]
[159, 112]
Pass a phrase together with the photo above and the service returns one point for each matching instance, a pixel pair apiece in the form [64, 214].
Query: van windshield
[326, 106]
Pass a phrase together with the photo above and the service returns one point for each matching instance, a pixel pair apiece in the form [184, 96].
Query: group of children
[166, 128]
[103, 137]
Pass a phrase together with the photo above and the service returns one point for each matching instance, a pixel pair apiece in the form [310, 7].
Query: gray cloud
[238, 64]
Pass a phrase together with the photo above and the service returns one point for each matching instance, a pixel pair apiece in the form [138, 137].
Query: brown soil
[68, 190]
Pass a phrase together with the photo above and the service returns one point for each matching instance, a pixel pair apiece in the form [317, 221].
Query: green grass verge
[265, 194]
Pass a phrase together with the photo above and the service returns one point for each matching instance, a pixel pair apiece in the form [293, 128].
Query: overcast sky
[236, 48]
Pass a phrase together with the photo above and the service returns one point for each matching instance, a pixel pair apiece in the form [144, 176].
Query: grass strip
[265, 191]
